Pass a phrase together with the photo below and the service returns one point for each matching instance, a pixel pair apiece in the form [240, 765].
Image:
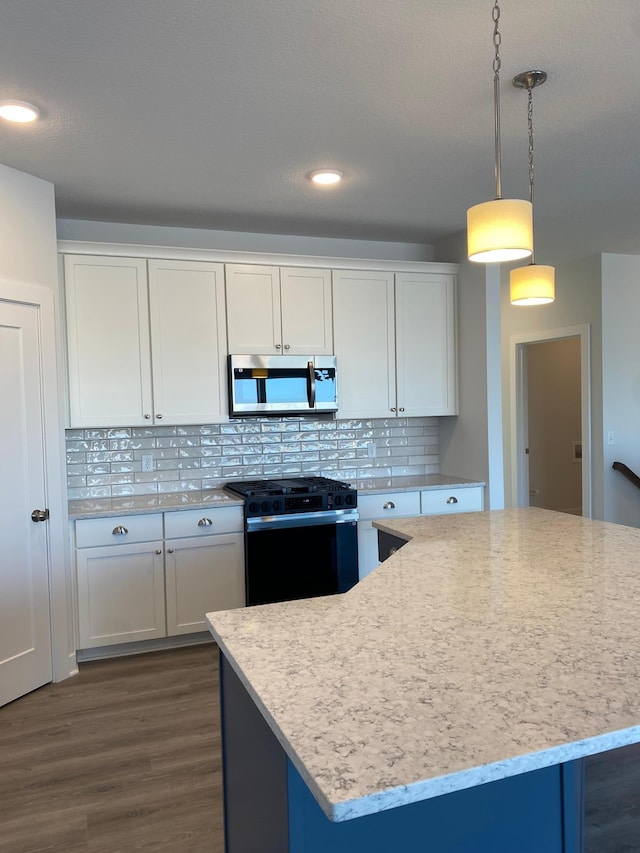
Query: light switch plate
[147, 462]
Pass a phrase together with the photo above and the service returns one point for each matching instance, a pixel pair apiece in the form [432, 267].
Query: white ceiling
[211, 114]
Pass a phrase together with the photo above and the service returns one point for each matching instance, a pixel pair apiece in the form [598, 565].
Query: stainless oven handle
[311, 385]
[301, 519]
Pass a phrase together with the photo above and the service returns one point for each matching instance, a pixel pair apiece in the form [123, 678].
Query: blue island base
[268, 807]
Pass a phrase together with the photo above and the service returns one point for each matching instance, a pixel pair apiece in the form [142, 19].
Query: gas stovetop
[293, 494]
[286, 486]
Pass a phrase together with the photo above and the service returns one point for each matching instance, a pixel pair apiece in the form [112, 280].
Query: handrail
[628, 473]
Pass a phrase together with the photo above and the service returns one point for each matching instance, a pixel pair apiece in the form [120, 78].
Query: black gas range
[300, 537]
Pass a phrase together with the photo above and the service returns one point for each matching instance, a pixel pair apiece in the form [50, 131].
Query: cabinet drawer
[195, 522]
[93, 532]
[451, 500]
[389, 505]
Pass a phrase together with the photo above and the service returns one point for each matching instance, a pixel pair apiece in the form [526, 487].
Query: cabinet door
[367, 548]
[188, 337]
[120, 594]
[305, 304]
[364, 340]
[425, 344]
[203, 575]
[253, 309]
[108, 341]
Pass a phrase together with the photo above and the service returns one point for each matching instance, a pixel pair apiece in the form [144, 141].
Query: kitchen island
[443, 704]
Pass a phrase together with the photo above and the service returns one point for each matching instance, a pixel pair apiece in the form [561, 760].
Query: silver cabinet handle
[158, 551]
[205, 522]
[452, 500]
[278, 346]
[389, 505]
[401, 409]
[158, 417]
[169, 550]
[147, 417]
[287, 346]
[120, 530]
[40, 515]
[393, 409]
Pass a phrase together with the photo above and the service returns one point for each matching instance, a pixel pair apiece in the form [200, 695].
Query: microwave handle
[311, 385]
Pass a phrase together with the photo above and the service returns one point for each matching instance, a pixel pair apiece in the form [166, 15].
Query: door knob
[120, 530]
[40, 515]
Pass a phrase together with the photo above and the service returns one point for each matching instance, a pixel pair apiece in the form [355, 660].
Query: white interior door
[25, 628]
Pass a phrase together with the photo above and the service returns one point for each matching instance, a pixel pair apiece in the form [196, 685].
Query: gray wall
[194, 238]
[621, 383]
[578, 301]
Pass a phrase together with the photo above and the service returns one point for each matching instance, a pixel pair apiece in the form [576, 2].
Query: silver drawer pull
[205, 522]
[158, 551]
[389, 505]
[452, 500]
[120, 530]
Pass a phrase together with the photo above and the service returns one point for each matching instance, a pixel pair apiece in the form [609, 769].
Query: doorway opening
[551, 423]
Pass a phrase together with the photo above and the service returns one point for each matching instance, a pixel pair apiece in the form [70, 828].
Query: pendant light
[535, 283]
[502, 229]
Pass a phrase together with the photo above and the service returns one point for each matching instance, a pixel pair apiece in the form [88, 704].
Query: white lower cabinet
[395, 504]
[131, 590]
[388, 505]
[204, 571]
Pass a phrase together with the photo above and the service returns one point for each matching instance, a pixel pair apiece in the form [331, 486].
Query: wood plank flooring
[125, 757]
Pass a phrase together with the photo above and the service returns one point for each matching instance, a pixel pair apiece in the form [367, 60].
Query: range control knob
[350, 500]
[337, 500]
[265, 506]
[277, 505]
[254, 506]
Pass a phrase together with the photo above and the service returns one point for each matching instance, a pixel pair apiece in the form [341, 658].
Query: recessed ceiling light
[18, 111]
[326, 176]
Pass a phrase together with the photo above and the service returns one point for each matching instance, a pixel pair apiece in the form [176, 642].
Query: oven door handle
[311, 385]
[301, 519]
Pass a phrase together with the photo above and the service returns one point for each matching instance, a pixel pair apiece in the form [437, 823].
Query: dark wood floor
[125, 757]
[613, 801]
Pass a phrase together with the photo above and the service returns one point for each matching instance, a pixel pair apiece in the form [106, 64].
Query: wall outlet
[371, 450]
[147, 462]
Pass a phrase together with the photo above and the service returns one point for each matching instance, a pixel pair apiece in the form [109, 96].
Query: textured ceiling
[212, 114]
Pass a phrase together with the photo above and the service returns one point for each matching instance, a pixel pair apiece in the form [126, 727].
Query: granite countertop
[378, 485]
[145, 504]
[492, 644]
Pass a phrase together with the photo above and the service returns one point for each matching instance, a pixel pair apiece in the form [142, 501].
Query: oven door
[302, 555]
[282, 384]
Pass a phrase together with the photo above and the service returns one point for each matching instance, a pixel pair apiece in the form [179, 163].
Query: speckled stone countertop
[378, 485]
[144, 504]
[492, 644]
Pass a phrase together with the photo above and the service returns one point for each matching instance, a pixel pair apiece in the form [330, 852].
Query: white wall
[621, 383]
[27, 219]
[195, 238]
[578, 301]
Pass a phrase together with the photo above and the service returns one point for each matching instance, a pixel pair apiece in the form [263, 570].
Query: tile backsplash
[104, 463]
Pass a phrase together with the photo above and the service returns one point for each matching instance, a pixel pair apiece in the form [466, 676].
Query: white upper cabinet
[188, 341]
[364, 338]
[395, 344]
[108, 341]
[145, 349]
[273, 310]
[425, 344]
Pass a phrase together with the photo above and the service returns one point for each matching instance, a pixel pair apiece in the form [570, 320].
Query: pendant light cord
[530, 129]
[497, 39]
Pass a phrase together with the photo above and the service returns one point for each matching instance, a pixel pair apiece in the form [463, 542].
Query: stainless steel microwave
[282, 385]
